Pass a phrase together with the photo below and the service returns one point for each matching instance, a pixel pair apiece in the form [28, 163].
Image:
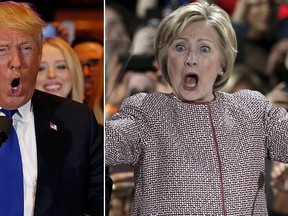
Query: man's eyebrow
[26, 42]
[2, 43]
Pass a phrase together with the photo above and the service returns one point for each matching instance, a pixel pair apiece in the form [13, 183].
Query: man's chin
[15, 102]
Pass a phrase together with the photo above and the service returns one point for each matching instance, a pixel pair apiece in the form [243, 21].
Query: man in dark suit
[60, 145]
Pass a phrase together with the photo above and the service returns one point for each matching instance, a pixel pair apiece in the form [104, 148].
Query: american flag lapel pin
[53, 126]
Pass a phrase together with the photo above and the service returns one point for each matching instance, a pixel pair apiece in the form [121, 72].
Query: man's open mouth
[15, 83]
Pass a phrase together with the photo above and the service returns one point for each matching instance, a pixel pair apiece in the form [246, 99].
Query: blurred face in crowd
[19, 62]
[89, 54]
[143, 40]
[194, 62]
[140, 82]
[259, 15]
[54, 76]
[114, 26]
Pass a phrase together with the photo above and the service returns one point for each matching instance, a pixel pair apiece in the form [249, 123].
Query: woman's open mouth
[191, 81]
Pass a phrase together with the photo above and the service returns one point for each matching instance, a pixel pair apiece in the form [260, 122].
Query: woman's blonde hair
[73, 65]
[173, 24]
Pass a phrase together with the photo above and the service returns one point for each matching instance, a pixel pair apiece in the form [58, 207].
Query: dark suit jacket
[70, 158]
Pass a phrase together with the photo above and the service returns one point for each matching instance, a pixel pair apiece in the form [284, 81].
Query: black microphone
[5, 126]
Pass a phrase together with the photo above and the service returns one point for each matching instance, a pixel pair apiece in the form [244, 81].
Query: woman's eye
[61, 67]
[180, 47]
[205, 49]
[42, 68]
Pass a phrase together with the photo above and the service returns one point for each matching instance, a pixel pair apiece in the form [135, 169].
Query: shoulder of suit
[44, 99]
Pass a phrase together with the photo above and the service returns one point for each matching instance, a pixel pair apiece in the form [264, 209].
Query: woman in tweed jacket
[197, 151]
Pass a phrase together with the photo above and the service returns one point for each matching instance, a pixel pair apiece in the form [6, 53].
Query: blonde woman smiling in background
[60, 71]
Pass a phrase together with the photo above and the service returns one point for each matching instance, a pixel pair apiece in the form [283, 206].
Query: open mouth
[191, 80]
[15, 83]
[15, 87]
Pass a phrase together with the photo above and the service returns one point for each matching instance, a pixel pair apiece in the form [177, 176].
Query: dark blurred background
[87, 15]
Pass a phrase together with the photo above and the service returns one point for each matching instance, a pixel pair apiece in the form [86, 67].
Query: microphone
[5, 126]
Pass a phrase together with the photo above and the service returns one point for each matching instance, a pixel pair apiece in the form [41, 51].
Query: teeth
[53, 87]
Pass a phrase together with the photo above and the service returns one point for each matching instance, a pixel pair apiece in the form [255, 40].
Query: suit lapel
[50, 150]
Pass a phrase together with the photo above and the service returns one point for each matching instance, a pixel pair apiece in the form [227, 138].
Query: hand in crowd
[239, 12]
[277, 53]
[278, 96]
[61, 31]
[279, 177]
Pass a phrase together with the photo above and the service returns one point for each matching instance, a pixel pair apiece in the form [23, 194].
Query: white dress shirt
[23, 122]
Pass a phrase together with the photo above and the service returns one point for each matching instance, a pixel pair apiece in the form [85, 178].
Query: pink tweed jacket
[198, 158]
